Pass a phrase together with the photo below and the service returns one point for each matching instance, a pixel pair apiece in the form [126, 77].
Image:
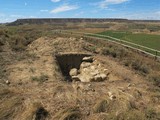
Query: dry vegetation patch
[129, 92]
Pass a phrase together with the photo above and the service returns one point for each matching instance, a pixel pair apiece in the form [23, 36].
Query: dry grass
[100, 106]
[10, 107]
[34, 111]
[41, 78]
[55, 94]
[71, 113]
[4, 92]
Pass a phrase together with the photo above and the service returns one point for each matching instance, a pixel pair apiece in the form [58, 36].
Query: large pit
[67, 61]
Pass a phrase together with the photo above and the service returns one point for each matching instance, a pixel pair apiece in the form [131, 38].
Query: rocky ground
[101, 89]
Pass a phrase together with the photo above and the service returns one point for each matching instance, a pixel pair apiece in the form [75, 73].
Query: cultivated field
[148, 40]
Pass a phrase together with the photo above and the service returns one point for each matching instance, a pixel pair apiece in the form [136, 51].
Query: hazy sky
[11, 10]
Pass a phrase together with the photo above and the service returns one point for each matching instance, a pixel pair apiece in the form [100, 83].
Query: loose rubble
[90, 71]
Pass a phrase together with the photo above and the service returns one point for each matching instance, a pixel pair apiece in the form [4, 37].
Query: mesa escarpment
[63, 20]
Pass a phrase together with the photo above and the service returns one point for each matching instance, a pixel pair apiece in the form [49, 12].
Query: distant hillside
[72, 20]
[62, 20]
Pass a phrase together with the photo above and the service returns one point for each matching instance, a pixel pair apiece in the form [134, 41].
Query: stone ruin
[81, 67]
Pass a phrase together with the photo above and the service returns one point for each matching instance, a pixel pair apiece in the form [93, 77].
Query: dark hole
[41, 114]
[68, 61]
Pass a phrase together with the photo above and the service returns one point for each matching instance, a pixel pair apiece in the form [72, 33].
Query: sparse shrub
[122, 53]
[41, 78]
[151, 114]
[44, 77]
[136, 65]
[93, 49]
[34, 78]
[145, 69]
[32, 56]
[90, 48]
[100, 106]
[127, 63]
[114, 54]
[155, 79]
[105, 51]
[109, 51]
[140, 66]
[17, 43]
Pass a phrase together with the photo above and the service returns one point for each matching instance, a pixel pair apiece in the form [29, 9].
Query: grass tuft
[71, 113]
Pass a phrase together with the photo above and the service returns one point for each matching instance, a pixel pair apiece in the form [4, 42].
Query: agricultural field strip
[71, 32]
[125, 42]
[118, 40]
[127, 46]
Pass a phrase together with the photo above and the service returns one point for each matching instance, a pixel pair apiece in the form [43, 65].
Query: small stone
[129, 85]
[73, 72]
[110, 93]
[75, 78]
[103, 76]
[88, 59]
[94, 73]
[98, 78]
[85, 64]
[86, 78]
[99, 65]
[105, 70]
[93, 68]
[112, 97]
[7, 82]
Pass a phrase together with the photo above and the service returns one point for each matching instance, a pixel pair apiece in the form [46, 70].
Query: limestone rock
[86, 78]
[85, 64]
[98, 78]
[89, 71]
[76, 78]
[7, 82]
[112, 97]
[103, 76]
[88, 59]
[95, 72]
[73, 72]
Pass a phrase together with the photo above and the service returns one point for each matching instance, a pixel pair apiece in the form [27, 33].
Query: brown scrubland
[34, 85]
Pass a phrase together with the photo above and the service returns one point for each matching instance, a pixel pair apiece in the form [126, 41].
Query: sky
[10, 10]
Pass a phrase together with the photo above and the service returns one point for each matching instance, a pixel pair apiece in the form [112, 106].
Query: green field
[148, 40]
